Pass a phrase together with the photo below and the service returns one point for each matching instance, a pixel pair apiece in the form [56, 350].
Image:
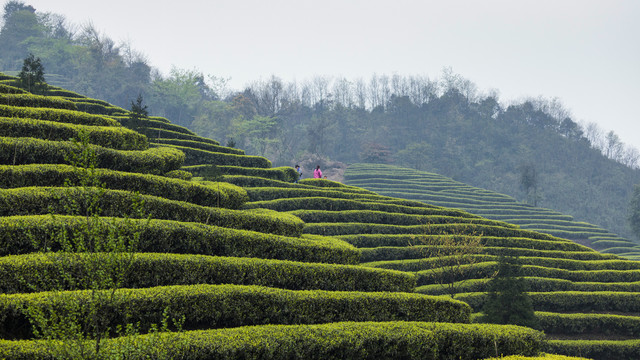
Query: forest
[444, 124]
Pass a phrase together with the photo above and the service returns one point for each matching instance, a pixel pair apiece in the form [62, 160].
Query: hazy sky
[585, 52]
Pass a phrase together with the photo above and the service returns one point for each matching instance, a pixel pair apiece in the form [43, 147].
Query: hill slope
[440, 190]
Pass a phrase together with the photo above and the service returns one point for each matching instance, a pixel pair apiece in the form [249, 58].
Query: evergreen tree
[507, 300]
[634, 211]
[138, 112]
[32, 75]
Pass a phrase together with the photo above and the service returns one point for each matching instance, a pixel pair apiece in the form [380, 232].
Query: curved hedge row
[107, 136]
[8, 89]
[548, 262]
[344, 340]
[229, 196]
[97, 108]
[418, 251]
[197, 157]
[337, 204]
[536, 284]
[119, 203]
[223, 306]
[397, 240]
[382, 217]
[269, 193]
[487, 269]
[331, 229]
[572, 324]
[39, 272]
[18, 151]
[285, 173]
[57, 115]
[199, 145]
[154, 124]
[17, 233]
[37, 101]
[596, 349]
[570, 301]
[155, 133]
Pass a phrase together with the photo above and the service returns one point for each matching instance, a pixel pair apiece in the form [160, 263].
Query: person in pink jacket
[317, 173]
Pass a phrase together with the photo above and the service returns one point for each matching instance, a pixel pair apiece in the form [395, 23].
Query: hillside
[255, 266]
[443, 191]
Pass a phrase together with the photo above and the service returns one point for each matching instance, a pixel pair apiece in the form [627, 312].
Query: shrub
[596, 349]
[199, 145]
[38, 272]
[382, 217]
[286, 173]
[572, 324]
[43, 200]
[179, 174]
[197, 156]
[36, 101]
[57, 115]
[345, 340]
[17, 232]
[155, 133]
[229, 196]
[18, 151]
[222, 306]
[106, 136]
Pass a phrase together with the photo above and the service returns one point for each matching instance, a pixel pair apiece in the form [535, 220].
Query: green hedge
[269, 193]
[197, 157]
[571, 301]
[344, 340]
[336, 204]
[230, 196]
[119, 203]
[57, 115]
[382, 217]
[323, 183]
[17, 232]
[487, 269]
[36, 101]
[199, 145]
[541, 357]
[154, 124]
[536, 284]
[39, 272]
[603, 324]
[107, 136]
[596, 349]
[155, 133]
[95, 108]
[179, 174]
[332, 229]
[377, 240]
[284, 173]
[18, 151]
[417, 251]
[558, 263]
[7, 89]
[223, 306]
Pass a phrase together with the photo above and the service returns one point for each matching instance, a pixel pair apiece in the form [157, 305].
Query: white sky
[585, 52]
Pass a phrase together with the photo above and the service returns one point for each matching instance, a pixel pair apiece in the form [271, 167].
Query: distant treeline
[443, 125]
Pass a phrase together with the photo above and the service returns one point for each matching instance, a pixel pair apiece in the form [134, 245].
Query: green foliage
[58, 115]
[199, 156]
[507, 300]
[634, 211]
[107, 136]
[353, 340]
[194, 144]
[32, 75]
[184, 238]
[34, 273]
[15, 151]
[229, 196]
[596, 349]
[114, 203]
[607, 324]
[179, 174]
[38, 101]
[233, 306]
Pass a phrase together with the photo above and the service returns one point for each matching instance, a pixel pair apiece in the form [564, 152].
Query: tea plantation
[442, 191]
[140, 239]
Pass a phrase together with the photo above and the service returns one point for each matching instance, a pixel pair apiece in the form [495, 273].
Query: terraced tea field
[442, 191]
[233, 260]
